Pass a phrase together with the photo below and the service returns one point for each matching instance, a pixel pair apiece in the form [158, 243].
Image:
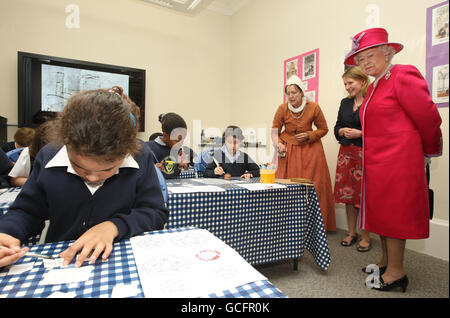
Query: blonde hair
[356, 73]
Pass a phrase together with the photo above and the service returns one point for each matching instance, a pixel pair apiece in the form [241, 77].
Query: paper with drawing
[191, 263]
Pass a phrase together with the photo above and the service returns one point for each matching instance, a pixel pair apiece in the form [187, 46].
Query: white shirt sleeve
[23, 165]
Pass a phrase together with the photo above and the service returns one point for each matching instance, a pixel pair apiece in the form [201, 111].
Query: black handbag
[430, 192]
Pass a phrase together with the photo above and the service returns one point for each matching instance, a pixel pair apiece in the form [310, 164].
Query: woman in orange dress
[299, 148]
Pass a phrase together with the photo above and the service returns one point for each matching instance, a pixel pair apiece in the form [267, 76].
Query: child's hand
[247, 176]
[219, 171]
[12, 252]
[183, 160]
[97, 239]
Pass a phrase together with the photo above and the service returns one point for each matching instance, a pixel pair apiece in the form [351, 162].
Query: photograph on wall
[439, 18]
[440, 84]
[437, 53]
[292, 68]
[309, 66]
[311, 95]
[306, 67]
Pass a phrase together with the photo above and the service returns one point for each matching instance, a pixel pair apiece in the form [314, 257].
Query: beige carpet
[428, 276]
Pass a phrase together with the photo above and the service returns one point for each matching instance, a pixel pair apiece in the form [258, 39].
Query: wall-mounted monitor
[45, 83]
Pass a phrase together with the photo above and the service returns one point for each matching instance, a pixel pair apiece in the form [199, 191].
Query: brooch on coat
[388, 74]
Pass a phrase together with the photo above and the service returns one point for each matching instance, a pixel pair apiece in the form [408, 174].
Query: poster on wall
[306, 67]
[437, 53]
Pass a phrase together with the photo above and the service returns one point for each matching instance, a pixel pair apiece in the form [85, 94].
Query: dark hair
[234, 131]
[24, 136]
[171, 121]
[99, 123]
[44, 134]
[154, 136]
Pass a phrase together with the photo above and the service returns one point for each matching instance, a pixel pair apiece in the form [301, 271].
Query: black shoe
[381, 270]
[402, 283]
[352, 241]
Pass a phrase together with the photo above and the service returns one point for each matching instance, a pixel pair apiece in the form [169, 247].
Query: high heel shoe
[381, 269]
[402, 283]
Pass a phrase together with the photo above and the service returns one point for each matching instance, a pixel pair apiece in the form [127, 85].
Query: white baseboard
[437, 245]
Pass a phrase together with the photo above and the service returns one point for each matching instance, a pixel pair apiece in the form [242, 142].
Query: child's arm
[251, 166]
[209, 171]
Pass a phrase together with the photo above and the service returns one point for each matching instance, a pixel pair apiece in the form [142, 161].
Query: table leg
[295, 264]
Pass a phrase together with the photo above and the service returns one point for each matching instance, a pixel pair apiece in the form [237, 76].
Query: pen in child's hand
[29, 254]
[215, 161]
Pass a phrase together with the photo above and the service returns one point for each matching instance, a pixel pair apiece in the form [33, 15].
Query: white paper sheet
[58, 294]
[261, 186]
[191, 189]
[20, 268]
[189, 264]
[67, 275]
[9, 196]
[212, 181]
[125, 290]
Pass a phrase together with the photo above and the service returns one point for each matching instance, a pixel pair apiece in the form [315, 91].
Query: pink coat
[400, 124]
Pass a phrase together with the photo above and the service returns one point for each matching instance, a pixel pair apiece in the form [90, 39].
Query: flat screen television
[45, 83]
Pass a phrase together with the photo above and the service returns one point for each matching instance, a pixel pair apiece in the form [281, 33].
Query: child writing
[168, 148]
[229, 159]
[96, 182]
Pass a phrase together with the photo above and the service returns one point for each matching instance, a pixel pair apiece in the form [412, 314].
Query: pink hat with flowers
[368, 39]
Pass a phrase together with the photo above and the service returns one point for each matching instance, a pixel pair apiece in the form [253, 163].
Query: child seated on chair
[96, 182]
[168, 148]
[230, 160]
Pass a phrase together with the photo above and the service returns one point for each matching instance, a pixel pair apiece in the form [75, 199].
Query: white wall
[218, 69]
[187, 58]
[266, 32]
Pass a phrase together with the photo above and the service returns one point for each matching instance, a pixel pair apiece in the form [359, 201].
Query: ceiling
[226, 7]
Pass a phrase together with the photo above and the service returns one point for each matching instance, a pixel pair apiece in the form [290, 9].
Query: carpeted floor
[428, 276]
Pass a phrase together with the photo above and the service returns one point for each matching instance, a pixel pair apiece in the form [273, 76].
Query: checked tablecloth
[120, 268]
[262, 226]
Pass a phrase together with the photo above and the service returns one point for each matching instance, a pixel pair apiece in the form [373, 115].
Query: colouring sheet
[191, 263]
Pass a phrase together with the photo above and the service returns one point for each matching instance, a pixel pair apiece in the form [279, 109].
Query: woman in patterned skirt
[347, 187]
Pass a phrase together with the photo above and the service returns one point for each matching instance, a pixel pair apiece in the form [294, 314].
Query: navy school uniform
[170, 162]
[242, 164]
[5, 168]
[131, 199]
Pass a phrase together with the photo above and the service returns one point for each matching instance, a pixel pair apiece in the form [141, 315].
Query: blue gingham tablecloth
[120, 268]
[190, 174]
[262, 226]
[6, 199]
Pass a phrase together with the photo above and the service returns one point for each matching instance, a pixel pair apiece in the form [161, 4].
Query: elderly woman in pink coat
[400, 126]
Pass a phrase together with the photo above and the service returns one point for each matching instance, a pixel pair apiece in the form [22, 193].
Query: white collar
[61, 159]
[159, 141]
[298, 109]
[229, 156]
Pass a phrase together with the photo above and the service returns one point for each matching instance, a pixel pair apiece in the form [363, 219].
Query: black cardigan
[347, 118]
[243, 164]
